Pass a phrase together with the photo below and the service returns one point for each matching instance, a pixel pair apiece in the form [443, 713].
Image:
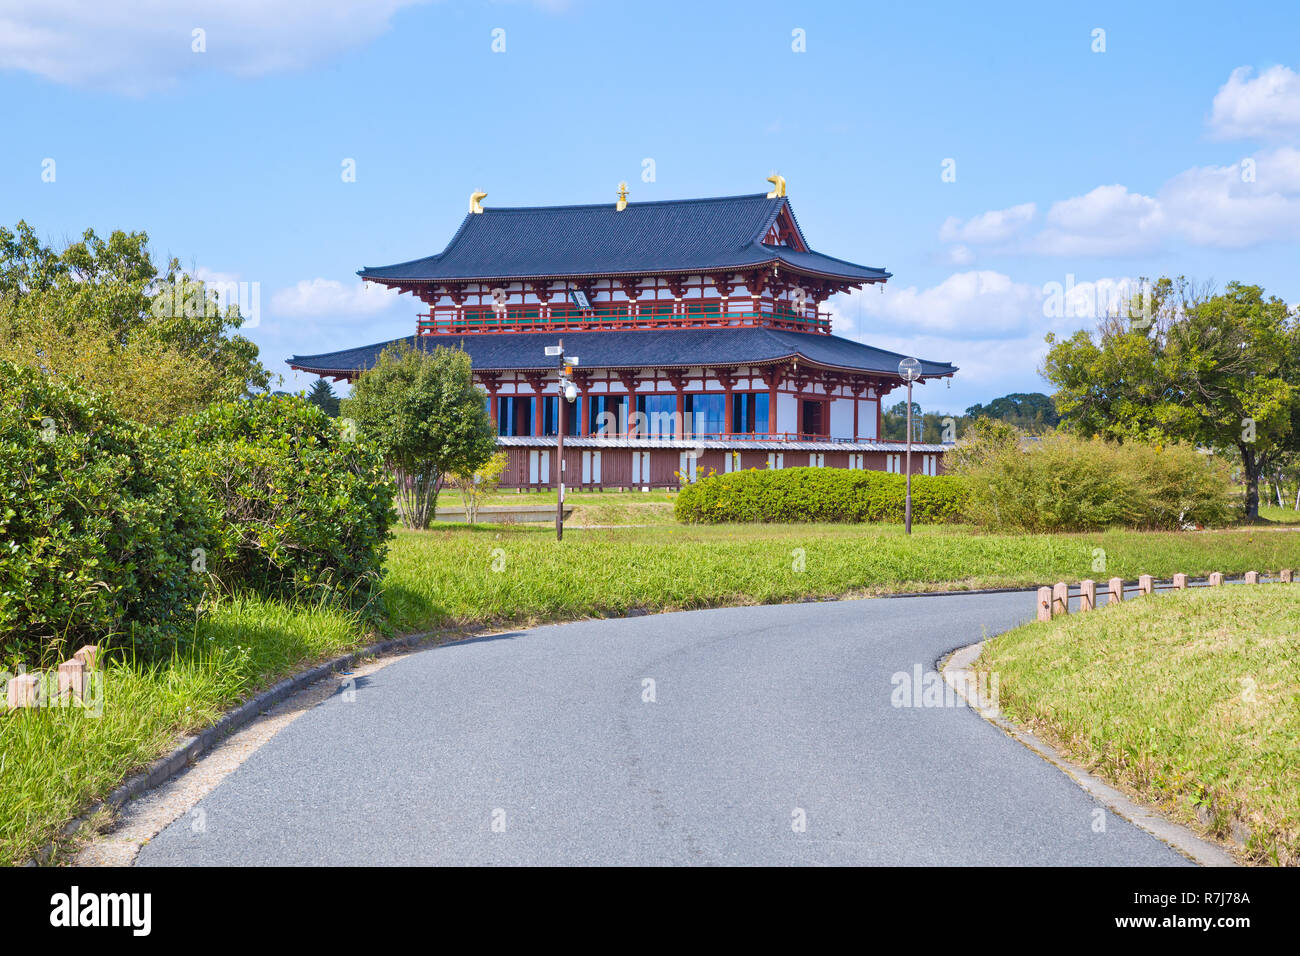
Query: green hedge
[818, 494]
[98, 525]
[303, 505]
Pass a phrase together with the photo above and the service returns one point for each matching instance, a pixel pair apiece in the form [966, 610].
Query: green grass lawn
[448, 575]
[1188, 700]
[1279, 515]
[54, 763]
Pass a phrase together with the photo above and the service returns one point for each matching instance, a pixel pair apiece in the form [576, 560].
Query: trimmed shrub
[97, 524]
[304, 506]
[1064, 483]
[818, 494]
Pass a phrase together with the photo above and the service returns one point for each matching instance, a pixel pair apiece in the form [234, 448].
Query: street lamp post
[568, 392]
[910, 370]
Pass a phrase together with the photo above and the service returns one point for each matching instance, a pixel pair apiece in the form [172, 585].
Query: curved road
[771, 739]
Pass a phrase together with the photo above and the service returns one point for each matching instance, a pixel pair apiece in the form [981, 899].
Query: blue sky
[1175, 150]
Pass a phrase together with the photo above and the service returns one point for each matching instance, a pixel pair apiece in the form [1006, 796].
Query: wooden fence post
[24, 691]
[1060, 598]
[1146, 585]
[1180, 582]
[1252, 577]
[1087, 595]
[1044, 604]
[1284, 576]
[88, 655]
[1115, 590]
[72, 680]
[1216, 579]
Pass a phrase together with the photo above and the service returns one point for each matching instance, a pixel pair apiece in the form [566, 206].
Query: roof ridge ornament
[778, 186]
[622, 197]
[476, 201]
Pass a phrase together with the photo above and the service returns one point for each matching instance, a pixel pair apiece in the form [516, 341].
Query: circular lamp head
[909, 369]
[570, 391]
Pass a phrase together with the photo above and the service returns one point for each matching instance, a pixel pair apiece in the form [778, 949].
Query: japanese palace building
[698, 331]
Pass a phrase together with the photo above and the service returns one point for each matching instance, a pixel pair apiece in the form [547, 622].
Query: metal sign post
[568, 392]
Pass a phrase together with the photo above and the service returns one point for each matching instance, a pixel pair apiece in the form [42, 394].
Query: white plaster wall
[787, 413]
[842, 418]
[867, 419]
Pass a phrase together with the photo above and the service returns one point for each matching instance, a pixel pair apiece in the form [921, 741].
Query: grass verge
[55, 762]
[1191, 702]
[522, 575]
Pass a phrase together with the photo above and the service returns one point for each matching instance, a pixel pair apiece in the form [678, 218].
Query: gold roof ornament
[476, 201]
[778, 186]
[622, 197]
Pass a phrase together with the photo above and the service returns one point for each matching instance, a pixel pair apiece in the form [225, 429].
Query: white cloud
[136, 46]
[975, 304]
[997, 225]
[1254, 200]
[1266, 106]
[1251, 201]
[960, 255]
[1236, 205]
[980, 305]
[329, 298]
[989, 325]
[1106, 221]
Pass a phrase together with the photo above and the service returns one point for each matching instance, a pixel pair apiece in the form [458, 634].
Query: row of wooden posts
[1055, 601]
[74, 675]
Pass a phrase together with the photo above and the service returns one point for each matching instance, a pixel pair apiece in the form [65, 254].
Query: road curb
[193, 747]
[956, 670]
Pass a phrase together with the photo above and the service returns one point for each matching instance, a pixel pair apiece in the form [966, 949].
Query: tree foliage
[424, 413]
[1221, 370]
[1032, 412]
[321, 394]
[157, 343]
[477, 486]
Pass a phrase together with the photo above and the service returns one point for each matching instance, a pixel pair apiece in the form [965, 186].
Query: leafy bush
[97, 524]
[304, 505]
[426, 416]
[1064, 483]
[817, 494]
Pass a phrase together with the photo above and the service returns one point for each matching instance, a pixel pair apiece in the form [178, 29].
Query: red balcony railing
[705, 436]
[532, 318]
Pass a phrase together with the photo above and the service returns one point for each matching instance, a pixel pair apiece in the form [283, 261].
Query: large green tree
[158, 342]
[321, 394]
[427, 417]
[1219, 369]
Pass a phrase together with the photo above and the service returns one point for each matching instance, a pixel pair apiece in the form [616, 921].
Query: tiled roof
[678, 235]
[630, 349]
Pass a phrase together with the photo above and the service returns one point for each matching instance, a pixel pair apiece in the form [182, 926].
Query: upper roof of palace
[677, 236]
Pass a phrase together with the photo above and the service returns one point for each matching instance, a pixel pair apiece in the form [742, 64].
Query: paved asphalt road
[759, 713]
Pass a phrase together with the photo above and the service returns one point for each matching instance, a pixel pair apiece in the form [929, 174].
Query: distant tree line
[1031, 412]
